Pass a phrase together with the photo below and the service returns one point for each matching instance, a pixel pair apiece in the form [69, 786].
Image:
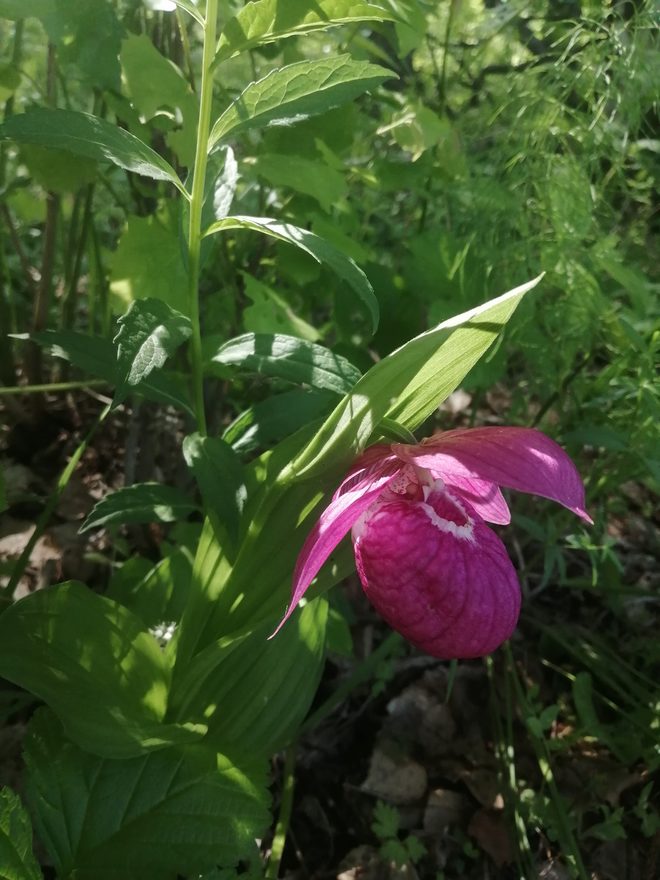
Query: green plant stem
[282, 827]
[49, 509]
[51, 387]
[196, 204]
[442, 85]
[69, 299]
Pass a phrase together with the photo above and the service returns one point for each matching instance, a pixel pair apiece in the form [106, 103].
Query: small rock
[396, 779]
[438, 729]
[444, 807]
[553, 870]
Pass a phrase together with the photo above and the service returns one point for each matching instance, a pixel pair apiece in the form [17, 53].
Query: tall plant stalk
[196, 204]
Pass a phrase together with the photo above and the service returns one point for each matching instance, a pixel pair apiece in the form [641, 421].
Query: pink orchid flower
[426, 558]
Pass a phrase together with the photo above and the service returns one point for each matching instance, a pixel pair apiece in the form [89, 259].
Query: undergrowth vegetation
[235, 239]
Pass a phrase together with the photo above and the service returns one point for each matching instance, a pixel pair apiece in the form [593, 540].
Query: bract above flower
[425, 556]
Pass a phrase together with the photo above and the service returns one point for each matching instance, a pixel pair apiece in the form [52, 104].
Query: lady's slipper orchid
[425, 556]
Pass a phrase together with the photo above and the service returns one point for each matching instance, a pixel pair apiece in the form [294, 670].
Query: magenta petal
[335, 522]
[374, 461]
[486, 498]
[438, 575]
[518, 458]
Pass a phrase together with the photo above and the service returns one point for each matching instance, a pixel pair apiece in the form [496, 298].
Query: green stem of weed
[282, 827]
[196, 204]
[51, 387]
[52, 503]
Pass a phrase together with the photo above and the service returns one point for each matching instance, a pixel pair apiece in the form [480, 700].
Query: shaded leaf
[149, 333]
[178, 811]
[97, 356]
[269, 421]
[297, 91]
[264, 21]
[318, 248]
[271, 313]
[85, 135]
[17, 861]
[321, 182]
[15, 9]
[92, 662]
[290, 358]
[219, 475]
[140, 503]
[87, 35]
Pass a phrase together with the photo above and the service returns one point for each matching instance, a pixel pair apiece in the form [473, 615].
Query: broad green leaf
[91, 137]
[277, 417]
[149, 333]
[140, 503]
[417, 377]
[15, 9]
[160, 92]
[170, 6]
[92, 662]
[290, 358]
[97, 356]
[317, 247]
[87, 35]
[57, 170]
[148, 262]
[10, 80]
[175, 812]
[157, 595]
[17, 861]
[255, 699]
[316, 179]
[264, 21]
[271, 313]
[219, 475]
[292, 93]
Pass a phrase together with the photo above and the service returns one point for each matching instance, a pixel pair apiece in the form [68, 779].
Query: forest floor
[425, 769]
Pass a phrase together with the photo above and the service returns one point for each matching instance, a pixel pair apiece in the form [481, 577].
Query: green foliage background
[494, 141]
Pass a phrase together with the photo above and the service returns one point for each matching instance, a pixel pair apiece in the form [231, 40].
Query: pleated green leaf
[178, 811]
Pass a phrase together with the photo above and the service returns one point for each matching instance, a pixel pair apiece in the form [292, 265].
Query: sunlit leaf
[17, 861]
[263, 21]
[148, 262]
[410, 383]
[149, 333]
[289, 94]
[92, 662]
